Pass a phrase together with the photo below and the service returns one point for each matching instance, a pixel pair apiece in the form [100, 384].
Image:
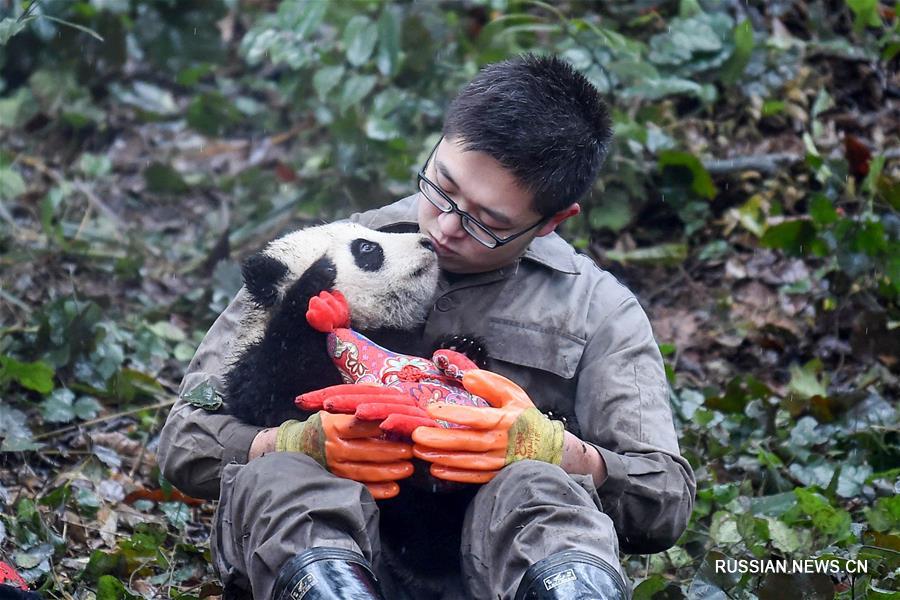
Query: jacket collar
[550, 250]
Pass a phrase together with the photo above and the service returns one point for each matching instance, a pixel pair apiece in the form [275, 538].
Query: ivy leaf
[388, 57]
[167, 331]
[178, 514]
[805, 380]
[37, 376]
[58, 407]
[701, 183]
[11, 184]
[355, 90]
[204, 396]
[110, 588]
[360, 36]
[783, 537]
[821, 210]
[10, 26]
[17, 437]
[325, 79]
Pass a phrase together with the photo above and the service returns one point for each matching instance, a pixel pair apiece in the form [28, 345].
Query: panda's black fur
[283, 356]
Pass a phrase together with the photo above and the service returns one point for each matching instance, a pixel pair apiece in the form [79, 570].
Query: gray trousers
[282, 504]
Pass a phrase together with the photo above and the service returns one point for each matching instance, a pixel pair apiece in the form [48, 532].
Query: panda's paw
[471, 346]
[328, 311]
[452, 363]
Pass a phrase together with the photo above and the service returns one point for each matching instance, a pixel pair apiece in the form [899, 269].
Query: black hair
[539, 118]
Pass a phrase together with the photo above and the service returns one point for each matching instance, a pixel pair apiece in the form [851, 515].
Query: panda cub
[388, 280]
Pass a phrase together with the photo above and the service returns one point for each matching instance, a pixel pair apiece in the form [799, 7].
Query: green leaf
[821, 210]
[149, 98]
[805, 380]
[87, 408]
[865, 14]
[724, 530]
[167, 331]
[360, 36]
[212, 114]
[11, 184]
[884, 515]
[94, 165]
[770, 108]
[702, 183]
[796, 237]
[827, 519]
[389, 30]
[743, 47]
[774, 505]
[613, 211]
[325, 79]
[203, 396]
[356, 88]
[163, 179]
[647, 589]
[783, 537]
[37, 376]
[10, 26]
[178, 514]
[381, 129]
[110, 588]
[57, 408]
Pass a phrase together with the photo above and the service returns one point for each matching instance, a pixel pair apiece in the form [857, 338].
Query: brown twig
[88, 193]
[123, 413]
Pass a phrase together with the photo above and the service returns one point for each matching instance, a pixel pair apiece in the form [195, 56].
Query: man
[522, 143]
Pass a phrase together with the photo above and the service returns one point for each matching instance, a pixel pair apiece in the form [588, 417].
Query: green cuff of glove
[535, 437]
[307, 437]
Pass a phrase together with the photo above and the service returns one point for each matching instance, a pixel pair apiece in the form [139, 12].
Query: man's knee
[285, 471]
[531, 481]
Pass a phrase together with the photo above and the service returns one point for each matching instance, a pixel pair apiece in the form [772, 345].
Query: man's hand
[349, 448]
[393, 410]
[512, 430]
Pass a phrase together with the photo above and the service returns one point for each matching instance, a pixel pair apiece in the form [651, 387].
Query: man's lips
[441, 249]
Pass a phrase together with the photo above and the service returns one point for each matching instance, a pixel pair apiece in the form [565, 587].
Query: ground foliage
[751, 200]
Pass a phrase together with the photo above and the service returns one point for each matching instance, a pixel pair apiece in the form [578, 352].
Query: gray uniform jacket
[568, 332]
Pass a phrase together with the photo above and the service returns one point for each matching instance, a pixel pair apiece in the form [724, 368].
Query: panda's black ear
[262, 274]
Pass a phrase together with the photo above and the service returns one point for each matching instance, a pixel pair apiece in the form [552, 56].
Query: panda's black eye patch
[369, 256]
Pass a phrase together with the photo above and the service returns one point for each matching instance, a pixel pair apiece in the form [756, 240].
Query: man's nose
[450, 225]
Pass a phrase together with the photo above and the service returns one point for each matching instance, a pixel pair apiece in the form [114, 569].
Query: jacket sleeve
[622, 407]
[196, 443]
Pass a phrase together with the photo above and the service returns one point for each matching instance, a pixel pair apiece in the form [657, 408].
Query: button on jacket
[565, 330]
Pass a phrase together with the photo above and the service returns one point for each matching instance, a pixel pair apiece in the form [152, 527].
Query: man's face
[481, 187]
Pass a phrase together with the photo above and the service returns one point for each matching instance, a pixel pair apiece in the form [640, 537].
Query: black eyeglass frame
[465, 218]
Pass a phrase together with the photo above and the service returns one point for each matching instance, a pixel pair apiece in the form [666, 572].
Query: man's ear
[554, 221]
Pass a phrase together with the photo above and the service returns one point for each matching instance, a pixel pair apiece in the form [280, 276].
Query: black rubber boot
[327, 574]
[572, 575]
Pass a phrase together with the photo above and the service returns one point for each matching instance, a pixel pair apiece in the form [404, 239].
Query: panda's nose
[426, 243]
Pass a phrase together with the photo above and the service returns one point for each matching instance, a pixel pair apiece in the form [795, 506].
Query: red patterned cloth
[360, 360]
[9, 576]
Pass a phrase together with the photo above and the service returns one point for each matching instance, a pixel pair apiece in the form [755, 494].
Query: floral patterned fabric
[360, 360]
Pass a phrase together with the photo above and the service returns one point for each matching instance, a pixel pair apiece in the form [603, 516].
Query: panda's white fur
[396, 296]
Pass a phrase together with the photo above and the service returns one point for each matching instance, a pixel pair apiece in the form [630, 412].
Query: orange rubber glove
[512, 430]
[394, 410]
[349, 448]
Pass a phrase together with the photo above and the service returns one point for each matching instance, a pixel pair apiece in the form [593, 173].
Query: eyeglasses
[478, 230]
